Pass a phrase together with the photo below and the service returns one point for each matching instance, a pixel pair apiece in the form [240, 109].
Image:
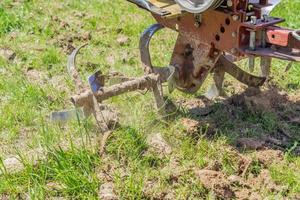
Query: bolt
[252, 46]
[229, 3]
[265, 18]
[235, 17]
[265, 62]
[197, 24]
[198, 20]
[233, 51]
[253, 20]
[252, 41]
[234, 34]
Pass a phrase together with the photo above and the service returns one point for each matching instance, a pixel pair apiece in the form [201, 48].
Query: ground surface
[243, 147]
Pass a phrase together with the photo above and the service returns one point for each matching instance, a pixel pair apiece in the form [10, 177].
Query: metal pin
[252, 44]
[265, 62]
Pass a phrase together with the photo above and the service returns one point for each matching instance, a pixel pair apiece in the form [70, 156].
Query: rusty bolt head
[235, 17]
[216, 53]
[253, 20]
[233, 51]
[234, 34]
[197, 24]
[229, 3]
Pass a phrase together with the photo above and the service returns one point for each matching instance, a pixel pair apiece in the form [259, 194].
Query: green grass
[70, 161]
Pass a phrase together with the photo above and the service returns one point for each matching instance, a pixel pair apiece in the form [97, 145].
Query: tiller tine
[88, 99]
[66, 115]
[225, 66]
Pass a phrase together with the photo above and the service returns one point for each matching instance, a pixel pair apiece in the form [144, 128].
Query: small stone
[63, 24]
[13, 165]
[123, 40]
[54, 186]
[87, 36]
[159, 144]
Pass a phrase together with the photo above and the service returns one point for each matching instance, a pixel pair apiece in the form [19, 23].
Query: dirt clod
[191, 126]
[107, 192]
[87, 36]
[264, 182]
[215, 166]
[247, 194]
[269, 156]
[250, 143]
[111, 116]
[257, 103]
[34, 75]
[63, 24]
[7, 54]
[237, 181]
[216, 182]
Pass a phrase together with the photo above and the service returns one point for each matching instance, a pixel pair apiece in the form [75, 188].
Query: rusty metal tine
[71, 67]
[91, 105]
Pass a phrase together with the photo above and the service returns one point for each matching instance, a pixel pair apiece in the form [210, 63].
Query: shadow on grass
[251, 120]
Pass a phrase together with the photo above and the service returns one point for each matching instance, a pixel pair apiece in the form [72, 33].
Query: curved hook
[71, 67]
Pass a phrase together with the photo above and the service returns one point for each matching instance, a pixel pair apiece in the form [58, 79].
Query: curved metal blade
[239, 74]
[144, 46]
[72, 58]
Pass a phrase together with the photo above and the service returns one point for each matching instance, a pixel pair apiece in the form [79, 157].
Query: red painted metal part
[278, 36]
[282, 37]
[217, 29]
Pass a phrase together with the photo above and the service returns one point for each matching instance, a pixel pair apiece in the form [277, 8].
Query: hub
[198, 6]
